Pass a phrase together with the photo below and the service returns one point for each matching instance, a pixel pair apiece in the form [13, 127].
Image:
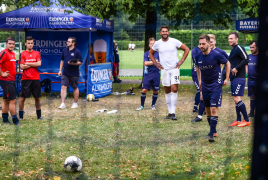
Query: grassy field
[134, 59]
[127, 145]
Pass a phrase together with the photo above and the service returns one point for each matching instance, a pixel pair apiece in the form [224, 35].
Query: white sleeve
[155, 46]
[178, 43]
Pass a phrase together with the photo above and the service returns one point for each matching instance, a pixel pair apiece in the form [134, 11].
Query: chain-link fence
[128, 33]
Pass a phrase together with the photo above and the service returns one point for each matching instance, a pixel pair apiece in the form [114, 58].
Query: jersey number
[177, 78]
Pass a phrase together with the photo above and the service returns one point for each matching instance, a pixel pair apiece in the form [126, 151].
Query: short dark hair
[204, 36]
[164, 27]
[28, 38]
[235, 33]
[256, 43]
[73, 40]
[10, 39]
[151, 39]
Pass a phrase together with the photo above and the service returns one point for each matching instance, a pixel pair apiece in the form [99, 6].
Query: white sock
[174, 97]
[199, 116]
[168, 100]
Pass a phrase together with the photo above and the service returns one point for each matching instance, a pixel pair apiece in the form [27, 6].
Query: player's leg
[25, 93]
[74, 82]
[165, 77]
[175, 81]
[197, 96]
[146, 85]
[36, 90]
[156, 87]
[21, 107]
[251, 94]
[5, 104]
[206, 98]
[201, 109]
[64, 85]
[12, 102]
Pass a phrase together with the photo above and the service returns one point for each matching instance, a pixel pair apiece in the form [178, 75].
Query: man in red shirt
[7, 81]
[30, 60]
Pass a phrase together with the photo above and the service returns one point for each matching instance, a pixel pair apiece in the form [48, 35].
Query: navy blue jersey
[238, 59]
[252, 66]
[195, 51]
[225, 55]
[70, 70]
[210, 70]
[151, 69]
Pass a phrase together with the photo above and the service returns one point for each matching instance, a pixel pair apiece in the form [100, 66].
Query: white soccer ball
[90, 97]
[72, 164]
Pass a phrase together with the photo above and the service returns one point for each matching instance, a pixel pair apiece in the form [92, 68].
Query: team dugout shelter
[51, 26]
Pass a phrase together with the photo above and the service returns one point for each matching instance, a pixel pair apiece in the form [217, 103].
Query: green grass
[134, 59]
[127, 145]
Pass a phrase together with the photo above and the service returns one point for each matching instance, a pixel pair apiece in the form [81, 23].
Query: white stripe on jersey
[242, 51]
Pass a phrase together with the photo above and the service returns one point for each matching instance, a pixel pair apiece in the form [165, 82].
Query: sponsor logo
[108, 24]
[30, 59]
[61, 20]
[252, 64]
[98, 22]
[206, 67]
[213, 104]
[249, 24]
[49, 46]
[17, 21]
[13, 60]
[46, 9]
[100, 75]
[110, 73]
[200, 62]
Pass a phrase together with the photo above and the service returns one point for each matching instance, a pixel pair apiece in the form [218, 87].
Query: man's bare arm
[151, 55]
[35, 64]
[185, 54]
[24, 67]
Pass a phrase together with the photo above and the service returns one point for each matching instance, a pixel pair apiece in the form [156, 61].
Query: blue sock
[208, 118]
[155, 96]
[213, 124]
[241, 106]
[143, 97]
[201, 108]
[5, 117]
[196, 100]
[238, 115]
[15, 119]
[21, 114]
[252, 106]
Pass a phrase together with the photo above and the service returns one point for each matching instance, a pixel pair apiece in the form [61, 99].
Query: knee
[144, 91]
[37, 99]
[236, 99]
[22, 99]
[63, 87]
[214, 110]
[155, 91]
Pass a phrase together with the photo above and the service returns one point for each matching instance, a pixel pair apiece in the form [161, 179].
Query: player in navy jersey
[208, 69]
[251, 70]
[238, 59]
[195, 51]
[151, 77]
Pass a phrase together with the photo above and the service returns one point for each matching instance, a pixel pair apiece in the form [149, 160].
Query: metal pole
[244, 39]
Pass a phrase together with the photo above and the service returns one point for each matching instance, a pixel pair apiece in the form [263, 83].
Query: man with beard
[71, 59]
[170, 73]
[208, 68]
[251, 70]
[238, 59]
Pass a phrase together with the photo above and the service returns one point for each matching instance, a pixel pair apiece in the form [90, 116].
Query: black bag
[46, 83]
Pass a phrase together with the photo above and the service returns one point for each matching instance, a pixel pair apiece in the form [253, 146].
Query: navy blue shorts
[149, 81]
[252, 88]
[212, 98]
[195, 80]
[238, 86]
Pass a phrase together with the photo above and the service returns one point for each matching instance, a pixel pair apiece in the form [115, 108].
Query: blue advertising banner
[50, 45]
[100, 80]
[248, 25]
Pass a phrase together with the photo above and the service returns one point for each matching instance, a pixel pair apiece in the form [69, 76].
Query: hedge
[185, 37]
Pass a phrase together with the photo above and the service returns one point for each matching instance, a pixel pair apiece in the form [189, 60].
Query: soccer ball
[72, 164]
[90, 97]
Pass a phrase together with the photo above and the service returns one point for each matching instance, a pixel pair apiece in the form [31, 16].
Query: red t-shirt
[8, 63]
[30, 57]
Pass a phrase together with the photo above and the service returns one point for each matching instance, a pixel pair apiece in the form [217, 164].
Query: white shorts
[170, 76]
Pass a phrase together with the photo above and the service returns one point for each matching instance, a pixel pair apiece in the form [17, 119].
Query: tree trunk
[150, 31]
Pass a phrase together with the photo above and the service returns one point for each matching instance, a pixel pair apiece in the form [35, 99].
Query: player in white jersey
[169, 65]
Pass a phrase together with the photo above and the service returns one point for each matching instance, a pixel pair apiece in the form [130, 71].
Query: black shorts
[29, 87]
[66, 80]
[9, 89]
